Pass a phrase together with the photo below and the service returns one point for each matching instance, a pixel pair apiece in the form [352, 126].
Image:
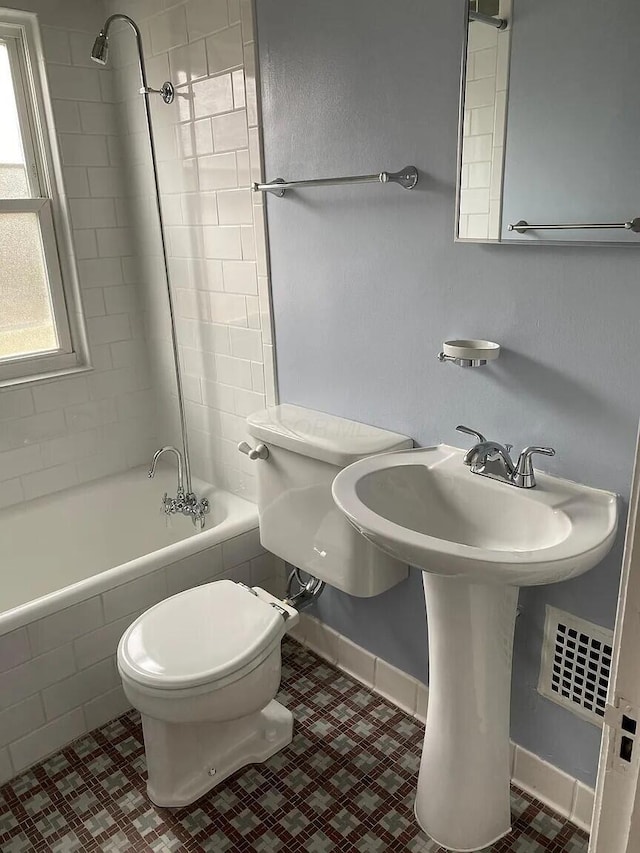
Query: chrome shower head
[100, 50]
[100, 54]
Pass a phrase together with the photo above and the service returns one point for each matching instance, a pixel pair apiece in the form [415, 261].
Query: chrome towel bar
[498, 23]
[523, 226]
[407, 178]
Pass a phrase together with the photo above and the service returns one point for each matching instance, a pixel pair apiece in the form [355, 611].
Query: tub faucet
[490, 459]
[185, 502]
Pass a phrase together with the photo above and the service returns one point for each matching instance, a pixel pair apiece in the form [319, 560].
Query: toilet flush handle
[260, 452]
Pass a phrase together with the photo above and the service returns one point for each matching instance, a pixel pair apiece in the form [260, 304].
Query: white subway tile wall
[58, 676]
[208, 145]
[62, 432]
[67, 431]
[483, 129]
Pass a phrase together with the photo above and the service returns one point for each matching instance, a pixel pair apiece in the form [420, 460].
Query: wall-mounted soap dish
[469, 353]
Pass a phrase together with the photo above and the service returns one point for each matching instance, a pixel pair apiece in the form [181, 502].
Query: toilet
[203, 667]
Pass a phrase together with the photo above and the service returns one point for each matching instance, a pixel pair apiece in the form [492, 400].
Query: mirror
[549, 123]
[485, 75]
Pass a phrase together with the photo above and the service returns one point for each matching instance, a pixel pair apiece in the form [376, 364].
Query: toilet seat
[210, 635]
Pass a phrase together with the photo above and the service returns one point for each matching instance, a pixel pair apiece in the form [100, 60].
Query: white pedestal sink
[477, 541]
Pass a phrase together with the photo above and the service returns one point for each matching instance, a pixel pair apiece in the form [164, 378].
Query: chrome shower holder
[167, 92]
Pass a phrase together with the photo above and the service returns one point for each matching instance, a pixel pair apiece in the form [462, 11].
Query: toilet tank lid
[325, 437]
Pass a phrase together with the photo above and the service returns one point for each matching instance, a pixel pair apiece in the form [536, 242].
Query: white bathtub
[63, 548]
[76, 568]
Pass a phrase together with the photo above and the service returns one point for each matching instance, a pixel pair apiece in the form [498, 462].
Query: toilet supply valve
[260, 452]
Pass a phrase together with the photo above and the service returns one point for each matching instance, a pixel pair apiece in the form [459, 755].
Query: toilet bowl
[203, 668]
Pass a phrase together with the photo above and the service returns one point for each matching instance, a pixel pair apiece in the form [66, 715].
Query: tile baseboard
[561, 792]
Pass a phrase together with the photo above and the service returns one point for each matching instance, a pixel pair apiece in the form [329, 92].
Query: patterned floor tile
[345, 784]
[19, 843]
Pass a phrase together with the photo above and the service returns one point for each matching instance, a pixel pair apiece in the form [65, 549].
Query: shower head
[100, 54]
[100, 49]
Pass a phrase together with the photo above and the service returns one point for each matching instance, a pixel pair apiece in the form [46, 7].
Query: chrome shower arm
[136, 29]
[121, 17]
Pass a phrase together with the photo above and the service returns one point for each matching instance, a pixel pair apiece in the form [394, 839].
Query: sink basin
[426, 508]
[477, 541]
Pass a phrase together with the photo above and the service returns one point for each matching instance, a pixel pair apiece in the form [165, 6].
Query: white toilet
[203, 667]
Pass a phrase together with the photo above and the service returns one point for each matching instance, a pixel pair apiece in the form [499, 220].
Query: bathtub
[76, 568]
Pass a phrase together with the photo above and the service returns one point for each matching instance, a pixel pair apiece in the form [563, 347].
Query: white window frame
[20, 33]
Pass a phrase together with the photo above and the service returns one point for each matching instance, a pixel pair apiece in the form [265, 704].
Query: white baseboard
[401, 689]
[561, 792]
[555, 788]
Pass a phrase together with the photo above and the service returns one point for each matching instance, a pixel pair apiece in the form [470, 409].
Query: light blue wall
[367, 283]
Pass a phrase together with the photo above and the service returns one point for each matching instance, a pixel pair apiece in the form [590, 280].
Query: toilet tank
[299, 521]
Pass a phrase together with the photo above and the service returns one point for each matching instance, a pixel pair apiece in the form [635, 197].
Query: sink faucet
[490, 459]
[185, 502]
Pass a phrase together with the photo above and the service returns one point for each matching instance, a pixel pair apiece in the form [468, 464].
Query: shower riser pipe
[99, 54]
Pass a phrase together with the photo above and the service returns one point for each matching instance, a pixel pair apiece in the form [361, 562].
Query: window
[35, 333]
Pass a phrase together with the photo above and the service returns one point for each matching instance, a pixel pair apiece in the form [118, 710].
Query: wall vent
[576, 664]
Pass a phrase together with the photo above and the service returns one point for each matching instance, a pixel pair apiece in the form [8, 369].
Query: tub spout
[186, 503]
[156, 456]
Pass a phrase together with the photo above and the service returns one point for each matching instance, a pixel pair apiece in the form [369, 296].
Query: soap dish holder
[469, 353]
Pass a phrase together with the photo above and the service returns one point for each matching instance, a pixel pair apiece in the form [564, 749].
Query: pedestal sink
[477, 541]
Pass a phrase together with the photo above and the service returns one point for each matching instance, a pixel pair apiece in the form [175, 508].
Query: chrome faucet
[490, 459]
[185, 502]
[168, 449]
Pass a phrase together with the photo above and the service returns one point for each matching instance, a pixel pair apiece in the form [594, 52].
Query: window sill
[48, 376]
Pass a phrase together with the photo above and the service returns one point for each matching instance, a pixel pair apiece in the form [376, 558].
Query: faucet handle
[469, 431]
[524, 475]
[528, 452]
[260, 452]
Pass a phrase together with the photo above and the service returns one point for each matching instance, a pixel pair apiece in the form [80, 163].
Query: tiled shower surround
[346, 783]
[63, 432]
[208, 146]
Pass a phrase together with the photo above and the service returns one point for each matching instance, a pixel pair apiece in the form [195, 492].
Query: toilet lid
[198, 636]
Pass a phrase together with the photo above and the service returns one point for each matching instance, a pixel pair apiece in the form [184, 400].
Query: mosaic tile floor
[346, 783]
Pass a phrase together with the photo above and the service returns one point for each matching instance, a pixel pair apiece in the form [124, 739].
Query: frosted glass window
[26, 320]
[14, 180]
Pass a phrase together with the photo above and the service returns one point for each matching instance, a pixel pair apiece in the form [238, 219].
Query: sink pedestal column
[462, 801]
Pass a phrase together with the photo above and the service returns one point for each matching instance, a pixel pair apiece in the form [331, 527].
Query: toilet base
[185, 760]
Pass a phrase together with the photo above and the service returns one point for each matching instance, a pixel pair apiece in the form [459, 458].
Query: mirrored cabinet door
[550, 122]
[483, 113]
